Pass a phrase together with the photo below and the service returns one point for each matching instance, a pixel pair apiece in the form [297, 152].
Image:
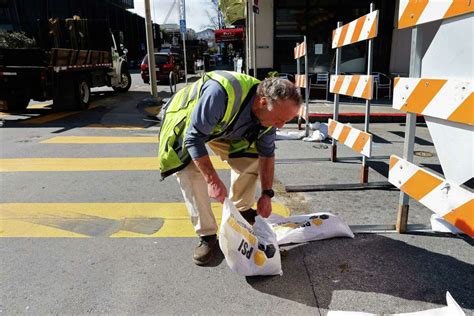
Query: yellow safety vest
[173, 155]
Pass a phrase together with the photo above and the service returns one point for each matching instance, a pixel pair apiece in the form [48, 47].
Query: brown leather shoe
[249, 215]
[204, 251]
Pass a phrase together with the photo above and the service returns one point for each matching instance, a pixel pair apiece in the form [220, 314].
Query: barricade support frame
[364, 171]
[306, 97]
[410, 126]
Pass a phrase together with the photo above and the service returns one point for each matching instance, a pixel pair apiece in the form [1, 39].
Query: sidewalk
[384, 272]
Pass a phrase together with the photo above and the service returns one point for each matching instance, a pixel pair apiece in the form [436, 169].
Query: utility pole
[182, 26]
[247, 38]
[255, 11]
[150, 49]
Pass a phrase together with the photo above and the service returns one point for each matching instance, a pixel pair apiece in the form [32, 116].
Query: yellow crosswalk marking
[100, 140]
[101, 219]
[89, 164]
[38, 105]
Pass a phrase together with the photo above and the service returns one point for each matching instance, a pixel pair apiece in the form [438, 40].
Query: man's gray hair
[275, 89]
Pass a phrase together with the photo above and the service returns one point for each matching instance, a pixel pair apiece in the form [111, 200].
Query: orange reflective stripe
[343, 35]
[367, 93]
[360, 142]
[412, 13]
[463, 217]
[339, 81]
[464, 112]
[358, 29]
[332, 127]
[422, 95]
[393, 162]
[300, 81]
[420, 184]
[345, 132]
[353, 85]
[459, 7]
[373, 30]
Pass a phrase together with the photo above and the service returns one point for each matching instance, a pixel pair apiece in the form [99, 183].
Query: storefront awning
[229, 35]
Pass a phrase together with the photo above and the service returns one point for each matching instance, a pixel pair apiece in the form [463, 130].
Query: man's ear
[262, 102]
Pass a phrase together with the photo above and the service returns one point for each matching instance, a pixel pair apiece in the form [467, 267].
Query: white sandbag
[316, 136]
[320, 132]
[453, 309]
[303, 228]
[282, 135]
[248, 250]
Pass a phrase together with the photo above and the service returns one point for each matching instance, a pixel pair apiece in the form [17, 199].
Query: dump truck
[76, 55]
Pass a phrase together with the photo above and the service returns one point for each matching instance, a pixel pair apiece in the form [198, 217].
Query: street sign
[182, 26]
[182, 10]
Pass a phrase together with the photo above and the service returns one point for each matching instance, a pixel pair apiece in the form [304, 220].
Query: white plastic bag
[304, 228]
[248, 250]
[453, 309]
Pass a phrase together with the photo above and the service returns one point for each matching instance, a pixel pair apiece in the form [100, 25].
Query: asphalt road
[88, 228]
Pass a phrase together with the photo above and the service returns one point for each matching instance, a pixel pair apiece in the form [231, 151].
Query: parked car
[165, 63]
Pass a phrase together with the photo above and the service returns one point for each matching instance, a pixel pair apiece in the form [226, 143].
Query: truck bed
[59, 58]
[23, 57]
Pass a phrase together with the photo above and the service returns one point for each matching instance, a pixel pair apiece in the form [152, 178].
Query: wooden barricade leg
[402, 218]
[334, 152]
[364, 174]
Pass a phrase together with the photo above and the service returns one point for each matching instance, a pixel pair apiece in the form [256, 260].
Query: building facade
[281, 24]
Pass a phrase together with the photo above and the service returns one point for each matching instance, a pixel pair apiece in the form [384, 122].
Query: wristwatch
[269, 192]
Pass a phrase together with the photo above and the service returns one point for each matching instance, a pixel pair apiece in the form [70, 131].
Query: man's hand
[217, 190]
[264, 206]
[215, 187]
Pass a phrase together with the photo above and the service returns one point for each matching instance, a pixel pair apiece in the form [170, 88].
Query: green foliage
[213, 50]
[166, 37]
[271, 74]
[15, 40]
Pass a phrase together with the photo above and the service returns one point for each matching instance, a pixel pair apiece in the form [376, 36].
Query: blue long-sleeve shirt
[210, 110]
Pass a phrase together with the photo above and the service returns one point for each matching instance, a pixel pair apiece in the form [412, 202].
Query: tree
[15, 40]
[166, 37]
[215, 17]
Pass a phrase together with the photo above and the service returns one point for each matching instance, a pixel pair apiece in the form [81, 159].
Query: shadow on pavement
[372, 264]
[107, 108]
[418, 140]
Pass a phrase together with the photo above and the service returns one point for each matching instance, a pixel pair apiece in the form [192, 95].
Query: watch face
[269, 192]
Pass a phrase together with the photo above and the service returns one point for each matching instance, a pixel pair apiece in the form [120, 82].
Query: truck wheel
[125, 83]
[16, 104]
[83, 95]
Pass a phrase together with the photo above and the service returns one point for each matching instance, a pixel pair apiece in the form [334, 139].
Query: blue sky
[196, 16]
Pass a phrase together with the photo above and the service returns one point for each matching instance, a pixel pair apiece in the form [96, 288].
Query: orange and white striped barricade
[357, 140]
[361, 86]
[452, 202]
[443, 93]
[362, 29]
[301, 81]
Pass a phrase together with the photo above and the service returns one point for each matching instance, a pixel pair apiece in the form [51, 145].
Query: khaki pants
[244, 176]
